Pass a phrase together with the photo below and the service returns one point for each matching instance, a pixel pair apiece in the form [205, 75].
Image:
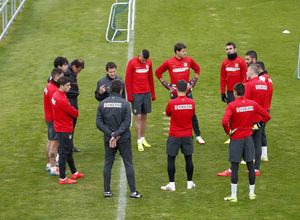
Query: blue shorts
[185, 144]
[141, 103]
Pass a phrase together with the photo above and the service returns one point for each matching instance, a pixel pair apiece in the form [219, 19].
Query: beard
[232, 56]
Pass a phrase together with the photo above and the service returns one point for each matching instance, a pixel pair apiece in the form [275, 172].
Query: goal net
[119, 21]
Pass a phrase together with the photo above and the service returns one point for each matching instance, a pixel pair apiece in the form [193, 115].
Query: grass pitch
[48, 28]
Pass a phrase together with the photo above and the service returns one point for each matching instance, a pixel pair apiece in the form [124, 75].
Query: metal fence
[9, 9]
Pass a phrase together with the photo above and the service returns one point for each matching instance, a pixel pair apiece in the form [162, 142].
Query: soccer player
[140, 91]
[250, 57]
[264, 76]
[52, 144]
[238, 124]
[179, 69]
[233, 71]
[103, 85]
[257, 91]
[63, 114]
[181, 110]
[72, 72]
[113, 119]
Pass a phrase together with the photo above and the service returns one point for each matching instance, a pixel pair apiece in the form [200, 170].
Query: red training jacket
[181, 111]
[240, 115]
[179, 69]
[139, 78]
[49, 90]
[232, 72]
[63, 112]
[266, 78]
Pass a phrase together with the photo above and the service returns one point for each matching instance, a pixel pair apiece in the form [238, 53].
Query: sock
[172, 185]
[139, 141]
[233, 190]
[251, 189]
[142, 138]
[264, 151]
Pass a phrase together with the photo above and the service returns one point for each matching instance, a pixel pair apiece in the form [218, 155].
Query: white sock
[48, 165]
[264, 151]
[251, 189]
[172, 185]
[139, 141]
[233, 190]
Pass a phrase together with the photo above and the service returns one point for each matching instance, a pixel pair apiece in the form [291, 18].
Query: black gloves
[224, 98]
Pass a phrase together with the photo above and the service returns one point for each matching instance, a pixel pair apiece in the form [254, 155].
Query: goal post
[120, 22]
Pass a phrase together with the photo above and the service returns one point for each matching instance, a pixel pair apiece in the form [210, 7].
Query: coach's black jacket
[106, 80]
[74, 91]
[114, 117]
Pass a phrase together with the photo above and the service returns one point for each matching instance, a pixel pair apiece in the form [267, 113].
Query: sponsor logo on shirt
[113, 105]
[261, 87]
[142, 70]
[53, 101]
[245, 109]
[183, 107]
[262, 78]
[232, 69]
[178, 70]
[185, 64]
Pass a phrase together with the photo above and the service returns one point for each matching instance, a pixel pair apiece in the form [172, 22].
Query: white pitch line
[121, 212]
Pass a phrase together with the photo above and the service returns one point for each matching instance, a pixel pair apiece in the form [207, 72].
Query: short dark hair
[55, 72]
[181, 85]
[145, 54]
[79, 63]
[252, 54]
[60, 61]
[63, 81]
[239, 88]
[230, 43]
[179, 46]
[254, 68]
[110, 65]
[116, 86]
[261, 64]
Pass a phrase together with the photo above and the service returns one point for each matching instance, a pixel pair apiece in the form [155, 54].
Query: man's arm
[223, 78]
[69, 109]
[100, 122]
[226, 118]
[125, 123]
[151, 82]
[128, 81]
[243, 68]
[100, 92]
[168, 109]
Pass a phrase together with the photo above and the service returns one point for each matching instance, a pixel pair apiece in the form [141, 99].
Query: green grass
[47, 28]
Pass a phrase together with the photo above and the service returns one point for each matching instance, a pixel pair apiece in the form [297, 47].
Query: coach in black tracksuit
[72, 72]
[113, 119]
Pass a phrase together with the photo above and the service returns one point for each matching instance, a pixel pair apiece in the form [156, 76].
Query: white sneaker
[265, 159]
[200, 140]
[230, 199]
[191, 185]
[252, 196]
[168, 187]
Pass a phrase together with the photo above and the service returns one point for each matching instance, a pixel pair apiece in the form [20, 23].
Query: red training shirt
[181, 111]
[139, 78]
[49, 90]
[266, 78]
[63, 112]
[179, 69]
[232, 72]
[239, 115]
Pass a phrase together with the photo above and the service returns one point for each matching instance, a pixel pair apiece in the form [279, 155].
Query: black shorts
[185, 144]
[141, 103]
[243, 148]
[51, 132]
